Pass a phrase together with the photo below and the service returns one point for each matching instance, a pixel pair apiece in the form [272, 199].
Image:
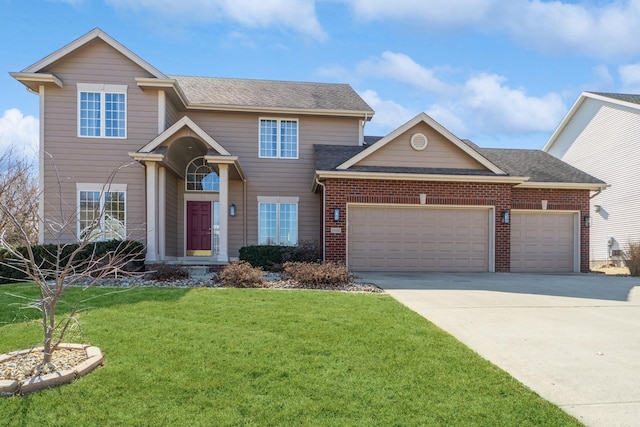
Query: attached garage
[544, 242]
[418, 238]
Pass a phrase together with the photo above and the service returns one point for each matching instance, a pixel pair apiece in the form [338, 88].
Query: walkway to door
[574, 338]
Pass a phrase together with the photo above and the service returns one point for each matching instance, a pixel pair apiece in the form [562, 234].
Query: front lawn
[256, 357]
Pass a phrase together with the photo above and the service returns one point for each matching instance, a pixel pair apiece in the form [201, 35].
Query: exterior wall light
[587, 221]
[232, 210]
[505, 217]
[336, 214]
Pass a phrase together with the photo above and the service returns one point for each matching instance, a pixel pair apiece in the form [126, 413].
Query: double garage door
[395, 238]
[418, 239]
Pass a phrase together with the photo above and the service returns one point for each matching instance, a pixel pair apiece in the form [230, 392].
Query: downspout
[244, 214]
[324, 219]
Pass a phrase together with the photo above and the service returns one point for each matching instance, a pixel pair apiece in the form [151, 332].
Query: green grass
[231, 357]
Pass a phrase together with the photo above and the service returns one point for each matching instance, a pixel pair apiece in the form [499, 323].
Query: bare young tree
[19, 196]
[65, 262]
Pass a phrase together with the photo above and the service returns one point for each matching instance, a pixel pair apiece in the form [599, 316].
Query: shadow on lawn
[586, 285]
[13, 298]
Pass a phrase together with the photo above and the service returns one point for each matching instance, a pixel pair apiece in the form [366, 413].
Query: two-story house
[198, 167]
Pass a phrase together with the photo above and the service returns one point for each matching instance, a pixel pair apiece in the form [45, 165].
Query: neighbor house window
[102, 110]
[279, 138]
[101, 212]
[278, 221]
[201, 176]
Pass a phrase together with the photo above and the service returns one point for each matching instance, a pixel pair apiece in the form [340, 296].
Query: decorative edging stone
[11, 388]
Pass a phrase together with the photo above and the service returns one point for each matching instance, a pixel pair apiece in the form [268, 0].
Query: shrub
[240, 274]
[313, 275]
[45, 257]
[263, 256]
[632, 258]
[167, 273]
[304, 251]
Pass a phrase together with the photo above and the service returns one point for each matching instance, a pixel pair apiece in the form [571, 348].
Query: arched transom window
[201, 176]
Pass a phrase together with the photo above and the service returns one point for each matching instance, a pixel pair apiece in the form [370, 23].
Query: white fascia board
[147, 82]
[564, 122]
[82, 40]
[228, 160]
[563, 185]
[422, 117]
[419, 177]
[146, 157]
[38, 78]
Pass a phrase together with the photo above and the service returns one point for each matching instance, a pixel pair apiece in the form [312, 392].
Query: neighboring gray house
[215, 164]
[601, 136]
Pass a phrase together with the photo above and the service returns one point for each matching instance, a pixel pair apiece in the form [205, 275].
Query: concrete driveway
[574, 339]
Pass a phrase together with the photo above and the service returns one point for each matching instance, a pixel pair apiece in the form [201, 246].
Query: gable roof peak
[429, 121]
[94, 34]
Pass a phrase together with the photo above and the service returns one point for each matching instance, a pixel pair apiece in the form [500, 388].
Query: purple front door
[199, 228]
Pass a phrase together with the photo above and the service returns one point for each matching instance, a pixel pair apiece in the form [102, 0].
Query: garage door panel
[422, 239]
[542, 242]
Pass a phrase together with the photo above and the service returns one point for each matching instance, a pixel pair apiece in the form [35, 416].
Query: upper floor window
[279, 138]
[102, 110]
[201, 176]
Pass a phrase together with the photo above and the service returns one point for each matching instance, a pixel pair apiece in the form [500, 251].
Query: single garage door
[418, 239]
[542, 242]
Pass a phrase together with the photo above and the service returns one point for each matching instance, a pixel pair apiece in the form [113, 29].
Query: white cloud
[630, 77]
[484, 103]
[495, 107]
[389, 114]
[401, 67]
[20, 133]
[298, 15]
[596, 28]
[434, 12]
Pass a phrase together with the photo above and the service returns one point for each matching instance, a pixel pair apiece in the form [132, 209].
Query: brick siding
[340, 192]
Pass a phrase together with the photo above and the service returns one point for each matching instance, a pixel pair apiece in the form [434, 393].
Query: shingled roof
[535, 164]
[227, 92]
[538, 165]
[626, 97]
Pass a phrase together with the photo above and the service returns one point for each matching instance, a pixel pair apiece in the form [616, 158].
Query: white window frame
[278, 155]
[102, 89]
[280, 201]
[102, 189]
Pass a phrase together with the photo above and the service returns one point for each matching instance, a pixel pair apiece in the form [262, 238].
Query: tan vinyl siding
[171, 115]
[173, 227]
[440, 152]
[92, 160]
[603, 139]
[238, 133]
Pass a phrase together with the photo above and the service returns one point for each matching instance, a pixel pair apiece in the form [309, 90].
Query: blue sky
[502, 73]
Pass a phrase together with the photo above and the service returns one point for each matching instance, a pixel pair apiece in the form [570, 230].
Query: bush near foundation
[45, 256]
[315, 276]
[632, 258]
[240, 274]
[271, 257]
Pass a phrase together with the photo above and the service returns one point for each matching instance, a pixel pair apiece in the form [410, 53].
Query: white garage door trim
[576, 229]
[491, 222]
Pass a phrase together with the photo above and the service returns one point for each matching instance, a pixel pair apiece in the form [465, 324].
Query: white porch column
[162, 211]
[223, 254]
[152, 196]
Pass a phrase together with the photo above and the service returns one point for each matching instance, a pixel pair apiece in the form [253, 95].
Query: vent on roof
[419, 141]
